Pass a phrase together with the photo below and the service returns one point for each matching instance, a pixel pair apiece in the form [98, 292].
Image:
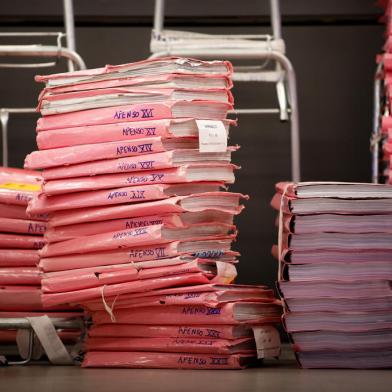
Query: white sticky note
[212, 136]
[267, 341]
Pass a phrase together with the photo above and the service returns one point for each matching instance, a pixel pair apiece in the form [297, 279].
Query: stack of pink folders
[335, 255]
[135, 165]
[21, 237]
[384, 143]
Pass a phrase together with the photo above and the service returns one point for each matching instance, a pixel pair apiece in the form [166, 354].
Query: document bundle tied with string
[136, 167]
[335, 272]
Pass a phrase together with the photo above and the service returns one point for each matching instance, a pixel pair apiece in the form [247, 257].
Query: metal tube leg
[375, 142]
[29, 353]
[159, 15]
[293, 100]
[282, 99]
[295, 140]
[4, 116]
[69, 23]
[275, 19]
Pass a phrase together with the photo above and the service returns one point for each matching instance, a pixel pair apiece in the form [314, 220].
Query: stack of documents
[21, 237]
[335, 272]
[382, 140]
[136, 165]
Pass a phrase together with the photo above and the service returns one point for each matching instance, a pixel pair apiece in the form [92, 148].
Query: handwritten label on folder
[212, 136]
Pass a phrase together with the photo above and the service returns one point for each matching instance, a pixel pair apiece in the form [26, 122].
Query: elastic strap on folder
[50, 341]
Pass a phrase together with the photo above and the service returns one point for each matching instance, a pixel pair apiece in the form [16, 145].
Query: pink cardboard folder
[173, 345]
[157, 161]
[18, 257]
[99, 276]
[62, 233]
[150, 253]
[92, 152]
[181, 174]
[80, 296]
[132, 194]
[15, 241]
[147, 360]
[20, 276]
[22, 226]
[180, 64]
[149, 235]
[170, 331]
[115, 132]
[189, 203]
[209, 110]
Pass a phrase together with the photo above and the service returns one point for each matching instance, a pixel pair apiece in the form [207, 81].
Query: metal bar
[29, 353]
[222, 53]
[228, 37]
[375, 142]
[42, 51]
[4, 117]
[29, 65]
[69, 23]
[23, 323]
[159, 15]
[19, 110]
[31, 34]
[276, 22]
[291, 84]
[255, 111]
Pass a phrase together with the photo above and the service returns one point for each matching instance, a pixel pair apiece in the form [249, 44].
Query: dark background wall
[332, 45]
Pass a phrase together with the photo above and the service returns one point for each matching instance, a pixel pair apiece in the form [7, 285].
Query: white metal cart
[52, 52]
[264, 48]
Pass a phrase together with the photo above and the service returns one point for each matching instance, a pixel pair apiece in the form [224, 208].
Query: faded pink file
[150, 253]
[221, 201]
[44, 204]
[173, 345]
[185, 173]
[211, 110]
[62, 233]
[170, 331]
[19, 257]
[157, 161]
[92, 152]
[93, 277]
[146, 360]
[149, 235]
[22, 226]
[15, 241]
[80, 296]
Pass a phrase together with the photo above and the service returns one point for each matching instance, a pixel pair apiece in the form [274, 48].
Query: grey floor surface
[281, 376]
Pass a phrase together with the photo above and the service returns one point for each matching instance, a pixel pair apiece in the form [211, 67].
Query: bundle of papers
[335, 269]
[382, 140]
[136, 167]
[21, 237]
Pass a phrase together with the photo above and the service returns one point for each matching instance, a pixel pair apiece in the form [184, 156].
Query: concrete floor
[279, 376]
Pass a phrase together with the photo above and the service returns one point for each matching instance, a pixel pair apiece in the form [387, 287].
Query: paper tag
[267, 341]
[212, 136]
[17, 186]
